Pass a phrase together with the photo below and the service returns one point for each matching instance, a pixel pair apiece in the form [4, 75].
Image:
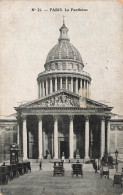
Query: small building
[8, 136]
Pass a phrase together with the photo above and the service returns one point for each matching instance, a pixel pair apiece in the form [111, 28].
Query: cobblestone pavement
[43, 183]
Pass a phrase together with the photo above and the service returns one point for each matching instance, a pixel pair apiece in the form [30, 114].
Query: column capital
[17, 117]
[24, 117]
[39, 117]
[87, 117]
[103, 118]
[71, 117]
[108, 118]
[55, 118]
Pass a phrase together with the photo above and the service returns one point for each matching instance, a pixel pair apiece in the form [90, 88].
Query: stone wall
[8, 136]
[116, 137]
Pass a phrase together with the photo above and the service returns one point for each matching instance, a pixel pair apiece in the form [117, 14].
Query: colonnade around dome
[53, 83]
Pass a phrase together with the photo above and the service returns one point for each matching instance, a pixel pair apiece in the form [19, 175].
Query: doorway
[64, 147]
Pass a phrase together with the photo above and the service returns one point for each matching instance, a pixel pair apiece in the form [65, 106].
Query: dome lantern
[63, 32]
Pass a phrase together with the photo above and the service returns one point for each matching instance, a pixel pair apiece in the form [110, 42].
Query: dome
[64, 50]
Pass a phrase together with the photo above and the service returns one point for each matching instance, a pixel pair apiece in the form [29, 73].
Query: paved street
[43, 183]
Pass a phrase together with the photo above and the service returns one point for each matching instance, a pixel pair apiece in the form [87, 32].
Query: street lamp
[22, 157]
[116, 154]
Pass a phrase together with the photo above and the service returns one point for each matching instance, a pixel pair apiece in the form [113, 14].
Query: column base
[71, 158]
[40, 158]
[49, 156]
[25, 159]
[86, 158]
[55, 158]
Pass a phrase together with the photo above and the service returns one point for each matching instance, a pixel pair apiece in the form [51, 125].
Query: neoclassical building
[64, 118]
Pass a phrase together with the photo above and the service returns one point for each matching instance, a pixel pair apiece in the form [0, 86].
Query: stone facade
[116, 133]
[64, 119]
[8, 136]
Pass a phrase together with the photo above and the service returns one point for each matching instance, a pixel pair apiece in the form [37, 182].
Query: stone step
[56, 160]
[67, 166]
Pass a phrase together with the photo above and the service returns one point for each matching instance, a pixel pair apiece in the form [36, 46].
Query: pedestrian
[95, 167]
[40, 165]
[77, 161]
[4, 164]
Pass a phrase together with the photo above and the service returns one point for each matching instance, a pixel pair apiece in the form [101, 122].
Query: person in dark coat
[4, 164]
[40, 165]
[95, 167]
[77, 161]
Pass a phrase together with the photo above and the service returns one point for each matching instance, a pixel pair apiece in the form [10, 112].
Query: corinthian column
[46, 87]
[38, 90]
[87, 89]
[108, 136]
[18, 131]
[90, 90]
[71, 84]
[102, 149]
[76, 85]
[80, 87]
[55, 137]
[51, 86]
[87, 137]
[83, 88]
[71, 138]
[43, 89]
[24, 118]
[66, 83]
[40, 136]
[55, 83]
[60, 82]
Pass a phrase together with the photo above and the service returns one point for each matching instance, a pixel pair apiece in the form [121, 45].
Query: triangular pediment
[62, 99]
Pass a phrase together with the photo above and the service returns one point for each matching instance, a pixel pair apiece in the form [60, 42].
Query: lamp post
[22, 157]
[98, 161]
[116, 154]
[4, 154]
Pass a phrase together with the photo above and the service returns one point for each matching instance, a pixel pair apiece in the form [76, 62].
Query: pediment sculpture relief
[60, 100]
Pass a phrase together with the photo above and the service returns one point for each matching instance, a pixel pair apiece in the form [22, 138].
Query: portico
[65, 127]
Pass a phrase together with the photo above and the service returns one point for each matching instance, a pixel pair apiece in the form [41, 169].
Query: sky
[27, 36]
